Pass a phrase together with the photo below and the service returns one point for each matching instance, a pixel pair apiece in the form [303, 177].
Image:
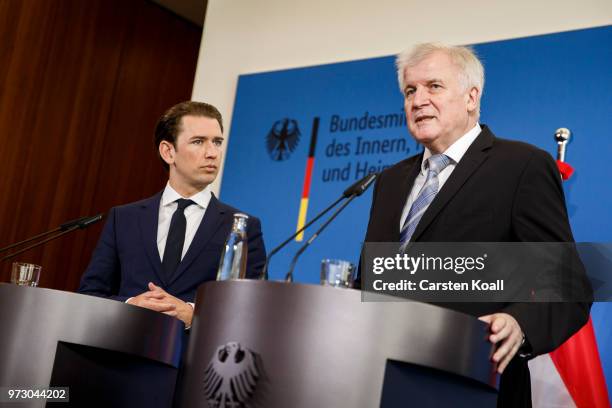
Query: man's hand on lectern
[506, 335]
[161, 301]
[154, 301]
[182, 310]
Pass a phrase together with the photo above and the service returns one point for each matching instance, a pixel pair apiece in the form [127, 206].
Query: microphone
[90, 221]
[355, 189]
[70, 224]
[360, 187]
[65, 228]
[562, 137]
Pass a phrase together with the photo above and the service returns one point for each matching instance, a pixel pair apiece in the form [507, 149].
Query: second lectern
[271, 344]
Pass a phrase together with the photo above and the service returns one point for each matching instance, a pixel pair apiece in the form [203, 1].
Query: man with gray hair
[470, 186]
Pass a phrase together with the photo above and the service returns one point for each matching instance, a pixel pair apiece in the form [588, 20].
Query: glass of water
[25, 274]
[337, 273]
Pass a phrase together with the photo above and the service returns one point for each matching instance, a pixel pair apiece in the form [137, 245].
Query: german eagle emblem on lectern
[231, 376]
[282, 139]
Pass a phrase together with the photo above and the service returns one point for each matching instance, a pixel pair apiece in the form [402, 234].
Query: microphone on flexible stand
[62, 227]
[65, 228]
[264, 275]
[353, 191]
[350, 191]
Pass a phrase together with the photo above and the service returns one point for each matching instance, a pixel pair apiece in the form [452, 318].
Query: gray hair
[470, 67]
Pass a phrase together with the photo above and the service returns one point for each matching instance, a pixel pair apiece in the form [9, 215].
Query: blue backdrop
[533, 86]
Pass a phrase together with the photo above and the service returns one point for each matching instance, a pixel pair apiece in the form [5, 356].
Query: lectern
[108, 353]
[272, 344]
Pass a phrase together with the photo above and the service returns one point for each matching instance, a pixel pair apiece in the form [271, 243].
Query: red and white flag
[570, 376]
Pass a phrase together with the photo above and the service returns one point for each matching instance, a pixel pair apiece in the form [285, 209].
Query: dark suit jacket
[501, 191]
[126, 257]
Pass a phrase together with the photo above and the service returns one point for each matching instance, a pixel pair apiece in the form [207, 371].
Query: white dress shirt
[455, 152]
[193, 215]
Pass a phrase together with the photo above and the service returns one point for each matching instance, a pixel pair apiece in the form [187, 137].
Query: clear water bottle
[234, 257]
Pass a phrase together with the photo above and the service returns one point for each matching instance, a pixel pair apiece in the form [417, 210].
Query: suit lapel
[149, 218]
[473, 158]
[212, 220]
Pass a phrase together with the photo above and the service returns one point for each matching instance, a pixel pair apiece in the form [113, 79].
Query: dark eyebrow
[196, 137]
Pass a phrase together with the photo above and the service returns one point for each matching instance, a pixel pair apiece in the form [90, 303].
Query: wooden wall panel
[82, 84]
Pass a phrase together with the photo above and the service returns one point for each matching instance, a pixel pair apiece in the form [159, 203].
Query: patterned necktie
[176, 239]
[435, 164]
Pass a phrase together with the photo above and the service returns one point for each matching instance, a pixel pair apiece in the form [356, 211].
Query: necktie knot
[437, 163]
[183, 203]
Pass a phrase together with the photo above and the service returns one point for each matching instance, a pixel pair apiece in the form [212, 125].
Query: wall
[243, 36]
[81, 86]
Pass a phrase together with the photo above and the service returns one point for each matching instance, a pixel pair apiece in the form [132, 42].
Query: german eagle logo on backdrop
[282, 139]
[231, 376]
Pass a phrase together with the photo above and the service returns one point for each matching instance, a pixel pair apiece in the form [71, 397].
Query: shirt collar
[201, 198]
[455, 151]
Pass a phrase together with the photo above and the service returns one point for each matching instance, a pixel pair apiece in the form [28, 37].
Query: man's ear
[167, 151]
[473, 98]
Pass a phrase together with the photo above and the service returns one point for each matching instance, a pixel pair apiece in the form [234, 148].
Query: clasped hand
[161, 301]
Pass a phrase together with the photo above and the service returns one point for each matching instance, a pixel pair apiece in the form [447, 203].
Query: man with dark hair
[168, 126]
[156, 252]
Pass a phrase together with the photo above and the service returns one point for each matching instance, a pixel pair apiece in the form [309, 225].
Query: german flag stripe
[307, 179]
[302, 218]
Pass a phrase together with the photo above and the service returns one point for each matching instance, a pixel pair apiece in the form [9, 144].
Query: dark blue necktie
[176, 239]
